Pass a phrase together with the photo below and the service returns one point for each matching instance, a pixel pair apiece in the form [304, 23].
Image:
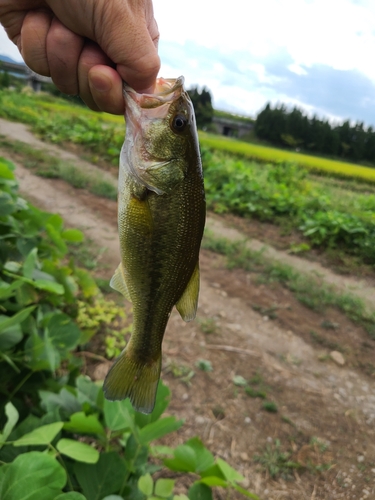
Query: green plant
[204, 365]
[270, 406]
[275, 461]
[60, 439]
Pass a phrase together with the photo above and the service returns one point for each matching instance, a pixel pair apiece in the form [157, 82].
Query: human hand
[88, 46]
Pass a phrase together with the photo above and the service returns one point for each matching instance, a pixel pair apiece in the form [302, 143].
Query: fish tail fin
[133, 379]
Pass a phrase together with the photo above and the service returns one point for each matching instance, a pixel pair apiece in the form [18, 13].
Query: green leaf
[81, 452]
[33, 476]
[12, 418]
[10, 336]
[239, 380]
[8, 289]
[63, 332]
[204, 458]
[41, 436]
[158, 429]
[146, 484]
[118, 415]
[199, 491]
[184, 459]
[214, 481]
[49, 286]
[86, 424]
[73, 235]
[113, 497]
[30, 263]
[14, 320]
[71, 495]
[229, 473]
[164, 487]
[56, 238]
[103, 478]
[7, 205]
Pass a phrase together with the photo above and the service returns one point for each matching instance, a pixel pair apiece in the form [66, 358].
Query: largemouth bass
[161, 216]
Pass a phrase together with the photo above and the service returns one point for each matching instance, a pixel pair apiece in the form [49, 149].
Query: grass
[48, 166]
[269, 154]
[309, 290]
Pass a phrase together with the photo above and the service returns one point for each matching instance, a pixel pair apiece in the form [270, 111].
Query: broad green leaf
[184, 459]
[164, 487]
[199, 491]
[229, 473]
[159, 450]
[113, 497]
[8, 289]
[63, 332]
[86, 424]
[81, 452]
[33, 476]
[56, 221]
[64, 400]
[158, 429]
[30, 263]
[15, 319]
[87, 390]
[10, 336]
[71, 495]
[7, 205]
[12, 418]
[86, 283]
[49, 286]
[204, 458]
[118, 415]
[6, 169]
[103, 478]
[146, 484]
[73, 235]
[214, 481]
[56, 238]
[180, 497]
[41, 436]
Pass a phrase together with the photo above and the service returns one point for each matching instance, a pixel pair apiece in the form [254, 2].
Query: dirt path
[326, 412]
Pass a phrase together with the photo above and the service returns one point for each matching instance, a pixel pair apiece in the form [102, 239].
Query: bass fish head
[161, 139]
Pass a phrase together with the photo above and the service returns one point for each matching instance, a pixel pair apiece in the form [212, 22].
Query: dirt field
[299, 399]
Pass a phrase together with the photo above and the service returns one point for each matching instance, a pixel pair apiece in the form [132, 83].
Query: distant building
[232, 127]
[33, 79]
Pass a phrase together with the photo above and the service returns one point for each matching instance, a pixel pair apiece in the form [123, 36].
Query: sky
[316, 54]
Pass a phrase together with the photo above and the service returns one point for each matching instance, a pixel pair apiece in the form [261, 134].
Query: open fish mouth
[166, 91]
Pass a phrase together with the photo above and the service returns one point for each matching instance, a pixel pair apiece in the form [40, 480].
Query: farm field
[254, 376]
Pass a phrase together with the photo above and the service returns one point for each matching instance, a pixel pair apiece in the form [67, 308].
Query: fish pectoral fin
[118, 282]
[188, 303]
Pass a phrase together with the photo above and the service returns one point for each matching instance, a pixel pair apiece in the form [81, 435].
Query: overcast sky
[318, 54]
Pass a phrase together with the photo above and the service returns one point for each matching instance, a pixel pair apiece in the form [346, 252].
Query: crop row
[283, 193]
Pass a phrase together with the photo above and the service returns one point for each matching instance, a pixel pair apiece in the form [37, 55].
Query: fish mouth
[167, 90]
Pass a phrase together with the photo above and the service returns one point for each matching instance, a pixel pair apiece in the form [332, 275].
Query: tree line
[293, 128]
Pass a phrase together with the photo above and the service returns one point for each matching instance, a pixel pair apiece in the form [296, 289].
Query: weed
[255, 393]
[276, 462]
[270, 406]
[208, 325]
[239, 381]
[204, 365]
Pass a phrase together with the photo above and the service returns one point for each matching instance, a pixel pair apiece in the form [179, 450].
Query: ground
[297, 398]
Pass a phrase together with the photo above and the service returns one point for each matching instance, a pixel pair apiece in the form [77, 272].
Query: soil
[324, 411]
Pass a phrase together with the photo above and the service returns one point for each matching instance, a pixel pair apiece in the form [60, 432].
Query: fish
[161, 218]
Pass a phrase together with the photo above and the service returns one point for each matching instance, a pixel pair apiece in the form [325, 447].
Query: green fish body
[161, 216]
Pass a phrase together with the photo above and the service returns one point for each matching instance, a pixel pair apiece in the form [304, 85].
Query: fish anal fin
[118, 282]
[188, 303]
[133, 379]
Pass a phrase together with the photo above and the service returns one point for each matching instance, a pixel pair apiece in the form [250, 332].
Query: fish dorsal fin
[118, 282]
[188, 303]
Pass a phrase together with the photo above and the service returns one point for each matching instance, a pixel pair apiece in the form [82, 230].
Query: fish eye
[179, 123]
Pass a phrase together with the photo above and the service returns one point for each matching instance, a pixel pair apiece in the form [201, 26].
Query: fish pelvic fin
[188, 302]
[133, 379]
[118, 282]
